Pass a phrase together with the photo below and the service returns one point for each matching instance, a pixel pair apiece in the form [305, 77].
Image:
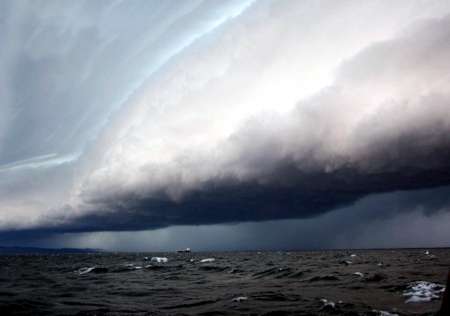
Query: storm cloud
[417, 218]
[132, 116]
[384, 130]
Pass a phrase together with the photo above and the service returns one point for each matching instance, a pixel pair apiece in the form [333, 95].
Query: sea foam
[159, 259]
[423, 291]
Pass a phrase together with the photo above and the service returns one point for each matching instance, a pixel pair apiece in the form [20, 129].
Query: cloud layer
[125, 116]
[382, 126]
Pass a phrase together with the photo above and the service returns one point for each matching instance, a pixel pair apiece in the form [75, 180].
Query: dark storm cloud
[297, 195]
[416, 218]
[134, 115]
[332, 150]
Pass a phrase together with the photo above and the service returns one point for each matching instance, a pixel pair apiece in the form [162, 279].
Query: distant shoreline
[38, 250]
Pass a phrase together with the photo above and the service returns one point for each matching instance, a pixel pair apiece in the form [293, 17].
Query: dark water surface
[258, 283]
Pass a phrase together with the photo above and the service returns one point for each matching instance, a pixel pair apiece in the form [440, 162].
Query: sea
[335, 282]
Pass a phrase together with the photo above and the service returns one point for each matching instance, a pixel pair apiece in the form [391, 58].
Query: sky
[224, 125]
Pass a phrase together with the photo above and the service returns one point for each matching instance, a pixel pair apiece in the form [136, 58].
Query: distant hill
[33, 250]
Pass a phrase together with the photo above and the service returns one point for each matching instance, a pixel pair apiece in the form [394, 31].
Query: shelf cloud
[134, 116]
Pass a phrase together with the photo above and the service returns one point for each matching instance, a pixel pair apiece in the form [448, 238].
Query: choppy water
[258, 283]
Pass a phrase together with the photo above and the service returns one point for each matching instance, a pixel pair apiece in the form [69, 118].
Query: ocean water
[375, 282]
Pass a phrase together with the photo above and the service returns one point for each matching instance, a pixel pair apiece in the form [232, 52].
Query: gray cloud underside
[416, 218]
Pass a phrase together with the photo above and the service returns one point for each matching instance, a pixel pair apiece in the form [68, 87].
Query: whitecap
[160, 259]
[85, 270]
[327, 303]
[383, 313]
[423, 291]
[359, 274]
[240, 299]
[207, 260]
